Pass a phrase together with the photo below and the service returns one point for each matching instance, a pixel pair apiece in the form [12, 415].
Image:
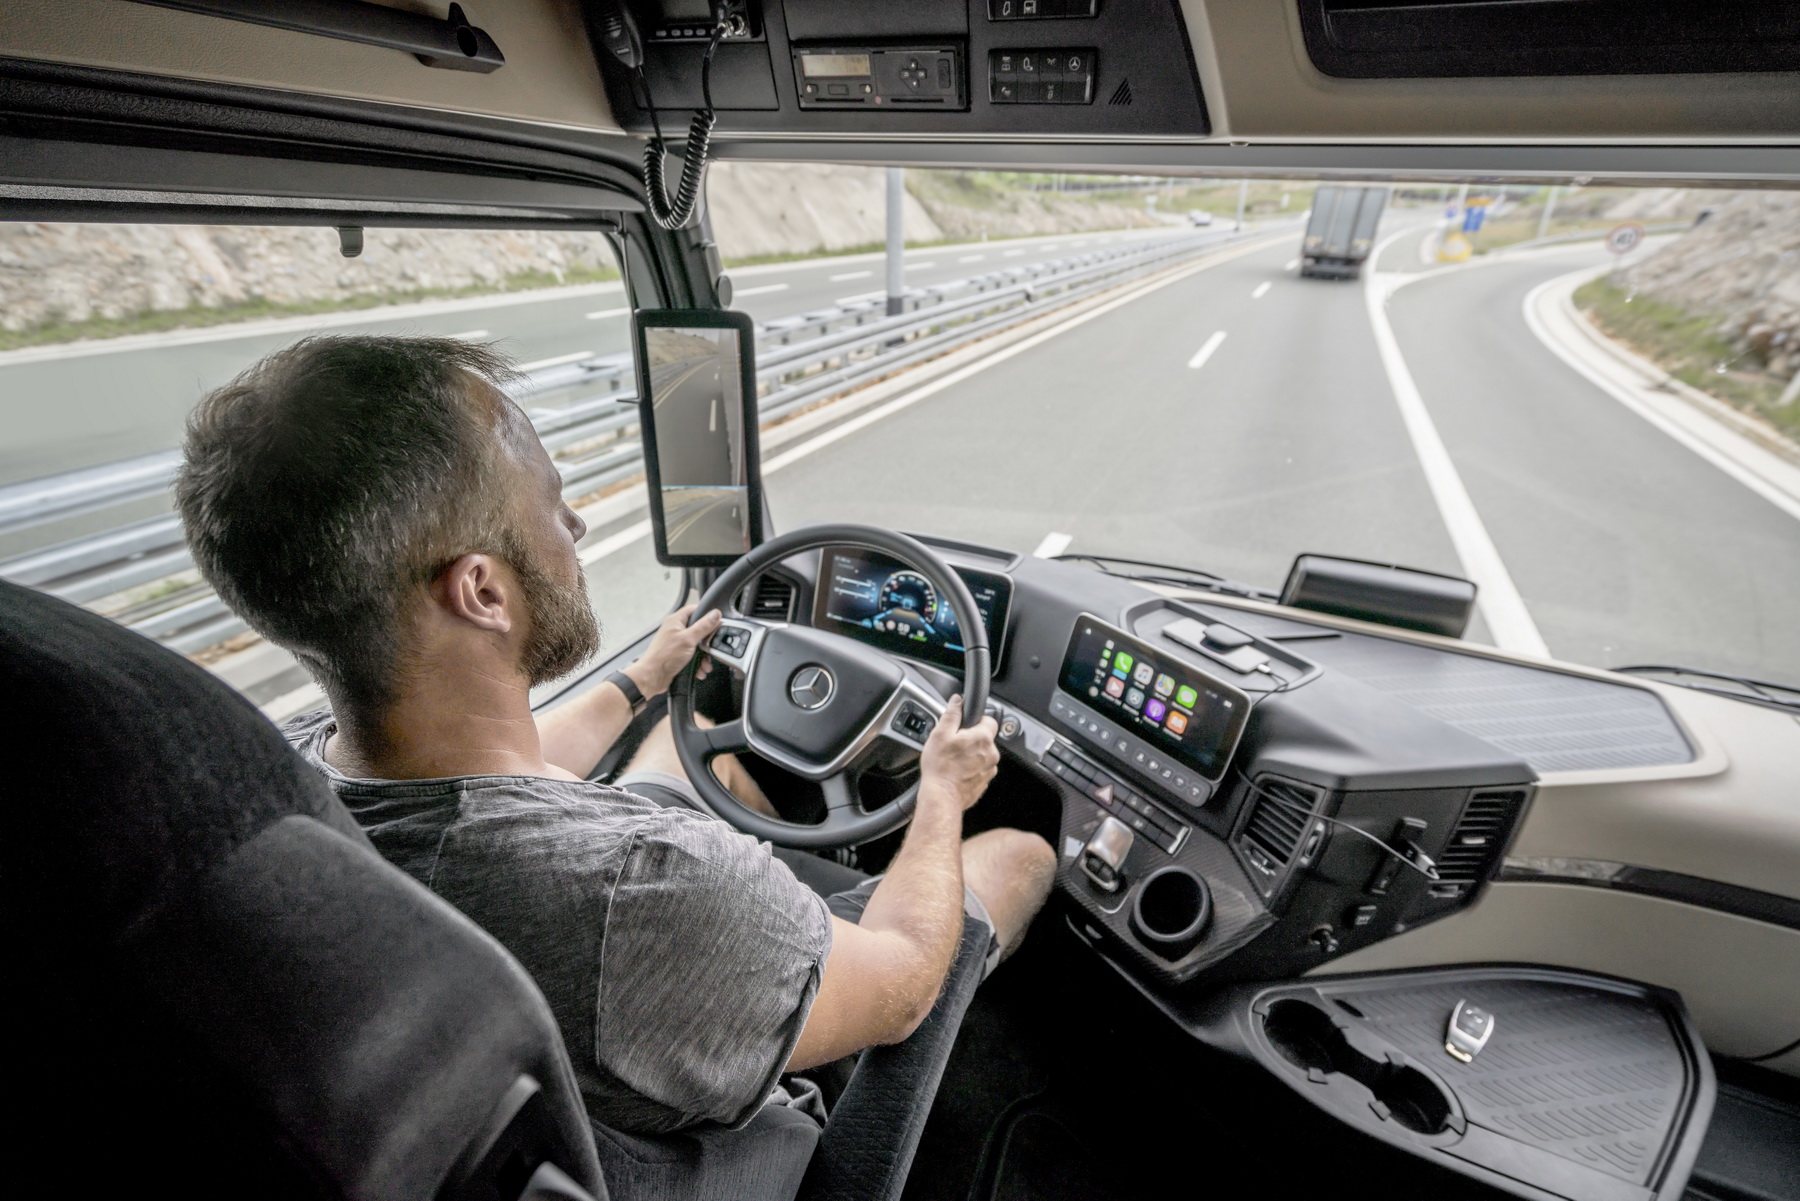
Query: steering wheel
[817, 703]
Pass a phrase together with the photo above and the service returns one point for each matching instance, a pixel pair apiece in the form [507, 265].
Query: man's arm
[884, 975]
[575, 735]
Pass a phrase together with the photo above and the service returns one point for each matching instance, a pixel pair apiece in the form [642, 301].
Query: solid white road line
[1053, 545]
[1206, 351]
[616, 542]
[558, 361]
[1290, 264]
[762, 291]
[1262, 290]
[1498, 597]
[850, 275]
[920, 266]
[603, 314]
[1706, 436]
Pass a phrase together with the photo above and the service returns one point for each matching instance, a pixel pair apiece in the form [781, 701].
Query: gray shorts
[673, 791]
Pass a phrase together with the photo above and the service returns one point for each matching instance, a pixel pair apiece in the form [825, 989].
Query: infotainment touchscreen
[1169, 703]
[879, 600]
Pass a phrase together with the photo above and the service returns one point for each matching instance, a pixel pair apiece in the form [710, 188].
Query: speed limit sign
[1625, 238]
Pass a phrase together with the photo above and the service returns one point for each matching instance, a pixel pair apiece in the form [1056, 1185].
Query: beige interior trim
[549, 78]
[1272, 92]
[1739, 977]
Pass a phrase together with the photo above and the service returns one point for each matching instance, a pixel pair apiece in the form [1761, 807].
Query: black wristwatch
[633, 694]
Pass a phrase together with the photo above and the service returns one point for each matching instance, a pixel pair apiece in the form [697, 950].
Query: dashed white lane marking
[1206, 350]
[971, 258]
[1012, 254]
[469, 335]
[1498, 597]
[558, 361]
[920, 266]
[603, 314]
[616, 542]
[762, 291]
[1053, 545]
[1290, 264]
[849, 275]
[1262, 290]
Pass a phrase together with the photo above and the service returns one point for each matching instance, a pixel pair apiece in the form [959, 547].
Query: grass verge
[1688, 346]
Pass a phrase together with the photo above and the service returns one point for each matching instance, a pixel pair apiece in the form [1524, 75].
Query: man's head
[354, 497]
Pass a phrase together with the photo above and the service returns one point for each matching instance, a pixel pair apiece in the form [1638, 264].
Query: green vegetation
[1688, 346]
[196, 316]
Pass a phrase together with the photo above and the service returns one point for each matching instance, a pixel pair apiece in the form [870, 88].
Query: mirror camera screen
[696, 390]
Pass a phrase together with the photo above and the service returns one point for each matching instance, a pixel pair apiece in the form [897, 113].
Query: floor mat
[1043, 1160]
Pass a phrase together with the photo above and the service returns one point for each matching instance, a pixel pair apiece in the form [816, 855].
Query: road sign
[1455, 249]
[1625, 238]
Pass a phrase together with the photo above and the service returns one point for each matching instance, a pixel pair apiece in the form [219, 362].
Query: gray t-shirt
[679, 957]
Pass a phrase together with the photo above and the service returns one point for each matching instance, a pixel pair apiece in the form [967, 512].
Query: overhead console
[1051, 68]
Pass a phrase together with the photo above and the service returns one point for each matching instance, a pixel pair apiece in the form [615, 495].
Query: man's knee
[1011, 871]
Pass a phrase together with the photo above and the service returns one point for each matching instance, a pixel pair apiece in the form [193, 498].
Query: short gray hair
[322, 486]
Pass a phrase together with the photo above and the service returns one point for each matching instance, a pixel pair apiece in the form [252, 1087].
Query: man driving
[377, 506]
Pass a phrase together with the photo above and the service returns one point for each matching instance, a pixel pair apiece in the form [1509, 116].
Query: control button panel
[1041, 76]
[924, 76]
[1175, 777]
[1115, 796]
[1033, 10]
[914, 722]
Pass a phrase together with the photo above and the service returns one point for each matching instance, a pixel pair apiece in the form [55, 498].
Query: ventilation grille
[1279, 815]
[1122, 93]
[1476, 842]
[771, 599]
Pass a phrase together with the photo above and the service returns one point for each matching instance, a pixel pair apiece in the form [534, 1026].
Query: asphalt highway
[80, 404]
[1242, 416]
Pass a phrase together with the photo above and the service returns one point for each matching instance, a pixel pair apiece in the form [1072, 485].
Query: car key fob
[1470, 1028]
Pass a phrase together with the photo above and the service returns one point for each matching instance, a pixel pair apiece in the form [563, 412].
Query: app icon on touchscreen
[1134, 697]
[1177, 723]
[1165, 684]
[1144, 674]
[1122, 664]
[1154, 709]
[1115, 687]
[1185, 697]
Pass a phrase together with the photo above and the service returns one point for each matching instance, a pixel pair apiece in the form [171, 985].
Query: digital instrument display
[702, 456]
[1163, 701]
[834, 66]
[879, 600]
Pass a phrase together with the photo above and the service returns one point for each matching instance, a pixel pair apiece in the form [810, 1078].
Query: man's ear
[476, 589]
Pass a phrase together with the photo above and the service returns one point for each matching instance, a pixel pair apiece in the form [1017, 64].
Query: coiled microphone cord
[673, 213]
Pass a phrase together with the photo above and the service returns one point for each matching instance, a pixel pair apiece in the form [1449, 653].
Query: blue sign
[1473, 217]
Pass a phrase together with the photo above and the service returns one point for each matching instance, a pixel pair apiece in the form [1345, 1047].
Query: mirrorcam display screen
[879, 600]
[696, 390]
[1195, 717]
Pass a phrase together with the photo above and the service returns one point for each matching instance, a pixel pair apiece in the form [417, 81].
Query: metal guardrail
[592, 435]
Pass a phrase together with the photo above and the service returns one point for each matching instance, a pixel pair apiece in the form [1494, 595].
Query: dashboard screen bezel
[948, 660]
[1244, 703]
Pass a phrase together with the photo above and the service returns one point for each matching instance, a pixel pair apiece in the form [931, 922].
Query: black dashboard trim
[1733, 899]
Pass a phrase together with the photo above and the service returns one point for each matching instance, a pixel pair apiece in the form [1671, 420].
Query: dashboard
[1236, 791]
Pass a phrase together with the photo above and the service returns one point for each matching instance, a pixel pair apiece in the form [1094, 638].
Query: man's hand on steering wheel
[957, 764]
[671, 648]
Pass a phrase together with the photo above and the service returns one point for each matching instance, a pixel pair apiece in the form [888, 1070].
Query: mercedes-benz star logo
[811, 687]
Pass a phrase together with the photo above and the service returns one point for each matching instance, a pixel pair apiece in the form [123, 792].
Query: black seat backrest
[217, 984]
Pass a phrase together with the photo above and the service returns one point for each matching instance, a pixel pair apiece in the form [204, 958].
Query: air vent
[772, 599]
[1122, 93]
[1475, 844]
[1278, 820]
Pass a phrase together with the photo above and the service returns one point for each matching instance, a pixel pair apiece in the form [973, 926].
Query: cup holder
[1305, 1036]
[1170, 910]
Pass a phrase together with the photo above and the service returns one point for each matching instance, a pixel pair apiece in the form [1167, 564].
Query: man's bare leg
[657, 753]
[1011, 871]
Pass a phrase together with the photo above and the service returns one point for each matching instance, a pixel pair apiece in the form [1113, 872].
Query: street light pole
[1243, 190]
[1549, 207]
[896, 240]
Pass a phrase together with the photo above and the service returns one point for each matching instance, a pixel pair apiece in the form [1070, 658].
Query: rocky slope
[1742, 265]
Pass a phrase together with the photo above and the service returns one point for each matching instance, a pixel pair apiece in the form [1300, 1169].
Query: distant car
[1200, 217]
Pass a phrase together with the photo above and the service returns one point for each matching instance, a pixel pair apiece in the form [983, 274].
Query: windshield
[1582, 399]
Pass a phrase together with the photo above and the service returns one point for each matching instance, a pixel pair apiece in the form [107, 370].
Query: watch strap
[633, 694]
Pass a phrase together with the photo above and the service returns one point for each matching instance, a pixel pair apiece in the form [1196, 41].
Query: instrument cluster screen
[878, 600]
[1165, 701]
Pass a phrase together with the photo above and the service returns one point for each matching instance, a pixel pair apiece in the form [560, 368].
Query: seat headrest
[130, 769]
